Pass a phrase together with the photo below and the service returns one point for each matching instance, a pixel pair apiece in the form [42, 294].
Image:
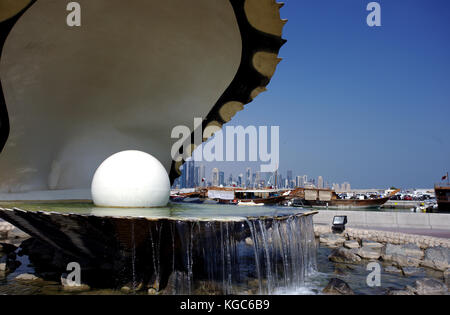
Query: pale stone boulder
[27, 277]
[332, 240]
[368, 243]
[429, 286]
[338, 287]
[369, 252]
[403, 255]
[351, 244]
[437, 258]
[344, 255]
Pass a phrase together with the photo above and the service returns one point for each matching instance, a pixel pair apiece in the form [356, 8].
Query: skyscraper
[190, 173]
[320, 182]
[299, 181]
[248, 176]
[289, 175]
[221, 179]
[215, 177]
[183, 177]
[230, 180]
[202, 175]
[346, 187]
[257, 180]
[240, 182]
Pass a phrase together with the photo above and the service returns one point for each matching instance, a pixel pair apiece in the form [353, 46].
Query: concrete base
[391, 220]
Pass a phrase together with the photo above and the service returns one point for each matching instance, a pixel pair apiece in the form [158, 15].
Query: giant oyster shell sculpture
[72, 96]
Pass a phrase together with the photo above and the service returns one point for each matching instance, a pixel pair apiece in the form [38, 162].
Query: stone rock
[2, 267]
[125, 289]
[429, 286]
[411, 271]
[399, 292]
[332, 240]
[5, 228]
[368, 243]
[18, 234]
[129, 288]
[437, 258]
[447, 277]
[351, 244]
[369, 252]
[338, 287]
[27, 277]
[403, 255]
[152, 291]
[343, 255]
[392, 269]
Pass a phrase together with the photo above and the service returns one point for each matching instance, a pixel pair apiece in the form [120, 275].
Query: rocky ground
[396, 253]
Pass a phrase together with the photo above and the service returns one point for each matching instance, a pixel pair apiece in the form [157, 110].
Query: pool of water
[172, 210]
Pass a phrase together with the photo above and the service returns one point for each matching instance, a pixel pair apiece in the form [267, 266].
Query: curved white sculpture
[131, 179]
[72, 96]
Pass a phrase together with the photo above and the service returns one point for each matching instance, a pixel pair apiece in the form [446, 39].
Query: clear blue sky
[366, 105]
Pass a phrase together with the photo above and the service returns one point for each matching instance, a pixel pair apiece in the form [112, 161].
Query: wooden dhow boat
[327, 198]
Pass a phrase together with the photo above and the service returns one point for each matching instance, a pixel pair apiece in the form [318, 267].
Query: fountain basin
[176, 250]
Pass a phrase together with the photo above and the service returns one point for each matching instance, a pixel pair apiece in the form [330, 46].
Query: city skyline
[195, 175]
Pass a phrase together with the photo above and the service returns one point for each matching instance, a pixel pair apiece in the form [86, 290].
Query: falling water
[133, 256]
[248, 256]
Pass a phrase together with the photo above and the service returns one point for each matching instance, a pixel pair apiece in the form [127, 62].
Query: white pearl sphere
[131, 179]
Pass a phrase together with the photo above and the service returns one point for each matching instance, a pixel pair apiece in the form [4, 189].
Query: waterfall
[249, 256]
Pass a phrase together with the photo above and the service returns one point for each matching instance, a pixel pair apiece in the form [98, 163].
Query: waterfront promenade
[429, 224]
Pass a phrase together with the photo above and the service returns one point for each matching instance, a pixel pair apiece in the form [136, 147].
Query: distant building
[240, 180]
[248, 177]
[221, 179]
[188, 174]
[215, 177]
[289, 176]
[230, 180]
[258, 179]
[183, 177]
[202, 175]
[299, 181]
[345, 187]
[197, 178]
[320, 182]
